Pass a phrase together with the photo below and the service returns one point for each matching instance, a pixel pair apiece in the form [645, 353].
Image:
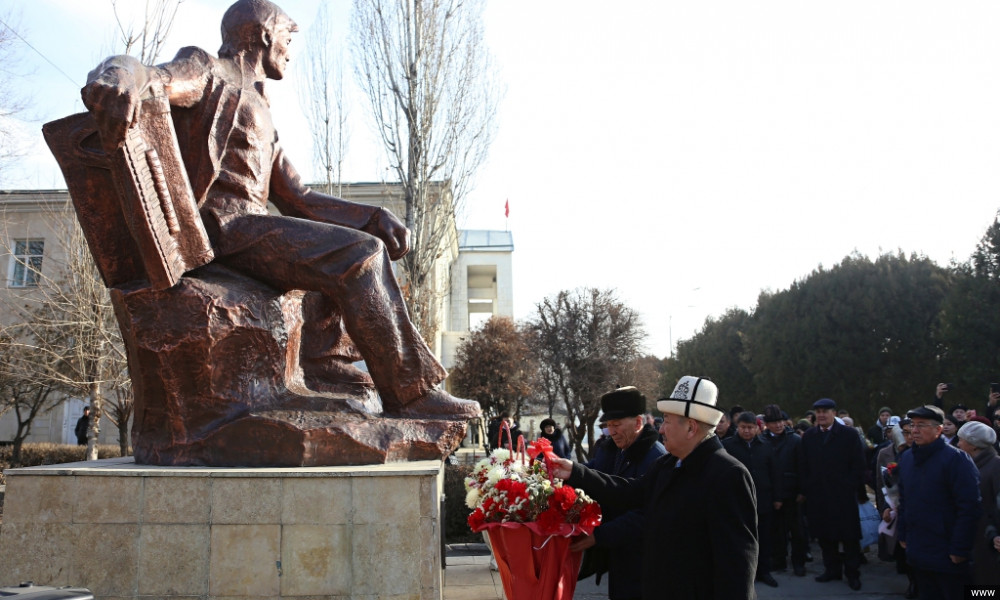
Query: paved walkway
[468, 577]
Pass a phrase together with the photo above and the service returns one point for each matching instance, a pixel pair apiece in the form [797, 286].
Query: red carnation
[516, 490]
[550, 521]
[477, 519]
[563, 498]
[487, 506]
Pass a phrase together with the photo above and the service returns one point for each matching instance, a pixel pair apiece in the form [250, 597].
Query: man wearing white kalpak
[698, 503]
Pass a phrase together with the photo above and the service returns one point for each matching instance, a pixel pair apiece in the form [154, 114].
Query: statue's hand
[113, 99]
[390, 230]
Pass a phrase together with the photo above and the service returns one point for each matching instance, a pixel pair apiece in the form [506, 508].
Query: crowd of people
[713, 501]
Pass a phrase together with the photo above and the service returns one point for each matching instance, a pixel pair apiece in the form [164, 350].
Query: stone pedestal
[131, 531]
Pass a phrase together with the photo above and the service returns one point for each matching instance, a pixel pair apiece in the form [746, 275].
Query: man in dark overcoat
[757, 455]
[699, 510]
[82, 425]
[787, 524]
[634, 449]
[832, 469]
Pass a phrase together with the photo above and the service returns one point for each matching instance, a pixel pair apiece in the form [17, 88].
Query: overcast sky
[687, 154]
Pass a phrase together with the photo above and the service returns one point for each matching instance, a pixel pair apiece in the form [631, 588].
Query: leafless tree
[12, 102]
[587, 342]
[121, 405]
[67, 323]
[147, 40]
[323, 101]
[21, 393]
[644, 373]
[431, 84]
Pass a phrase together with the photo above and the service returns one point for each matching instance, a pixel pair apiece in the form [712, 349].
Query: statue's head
[252, 24]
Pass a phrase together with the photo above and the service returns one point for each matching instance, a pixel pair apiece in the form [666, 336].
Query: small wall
[129, 531]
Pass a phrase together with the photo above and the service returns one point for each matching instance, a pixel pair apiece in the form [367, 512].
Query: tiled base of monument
[132, 531]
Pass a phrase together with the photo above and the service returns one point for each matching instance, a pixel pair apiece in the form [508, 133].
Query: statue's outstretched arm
[296, 200]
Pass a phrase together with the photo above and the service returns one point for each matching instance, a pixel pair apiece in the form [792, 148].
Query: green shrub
[456, 526]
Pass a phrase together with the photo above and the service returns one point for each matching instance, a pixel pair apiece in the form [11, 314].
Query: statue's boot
[336, 373]
[436, 404]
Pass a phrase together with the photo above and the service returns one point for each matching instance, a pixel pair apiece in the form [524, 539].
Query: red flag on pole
[506, 208]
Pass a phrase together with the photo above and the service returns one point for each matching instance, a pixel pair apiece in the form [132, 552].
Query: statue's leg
[327, 352]
[352, 268]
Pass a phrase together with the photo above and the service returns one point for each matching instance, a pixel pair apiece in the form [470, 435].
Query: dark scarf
[922, 453]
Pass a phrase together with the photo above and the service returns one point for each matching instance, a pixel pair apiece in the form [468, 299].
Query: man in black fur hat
[616, 546]
[699, 511]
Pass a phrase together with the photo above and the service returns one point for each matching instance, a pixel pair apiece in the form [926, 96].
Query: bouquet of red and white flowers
[890, 491]
[504, 488]
[529, 517]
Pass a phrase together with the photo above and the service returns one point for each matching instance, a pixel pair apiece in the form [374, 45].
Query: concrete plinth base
[129, 531]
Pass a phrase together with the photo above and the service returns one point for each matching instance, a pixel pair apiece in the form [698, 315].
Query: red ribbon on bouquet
[542, 447]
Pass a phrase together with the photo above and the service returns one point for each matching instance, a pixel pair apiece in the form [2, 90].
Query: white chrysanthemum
[501, 455]
[482, 464]
[472, 498]
[495, 474]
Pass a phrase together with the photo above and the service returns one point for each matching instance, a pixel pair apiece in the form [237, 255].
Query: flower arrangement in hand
[889, 490]
[506, 487]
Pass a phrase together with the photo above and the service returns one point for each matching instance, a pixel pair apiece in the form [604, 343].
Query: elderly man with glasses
[939, 508]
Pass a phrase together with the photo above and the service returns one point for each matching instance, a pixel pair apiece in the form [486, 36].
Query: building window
[26, 264]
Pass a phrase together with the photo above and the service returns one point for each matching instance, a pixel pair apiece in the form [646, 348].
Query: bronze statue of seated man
[235, 164]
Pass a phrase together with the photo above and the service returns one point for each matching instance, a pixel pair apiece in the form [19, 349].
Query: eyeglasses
[926, 425]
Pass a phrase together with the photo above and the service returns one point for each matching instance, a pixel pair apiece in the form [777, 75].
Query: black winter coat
[831, 472]
[876, 434]
[621, 530]
[81, 430]
[786, 453]
[758, 458]
[700, 523]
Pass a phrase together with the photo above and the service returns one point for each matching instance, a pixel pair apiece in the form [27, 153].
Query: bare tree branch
[12, 102]
[146, 42]
[323, 101]
[587, 342]
[430, 82]
[66, 322]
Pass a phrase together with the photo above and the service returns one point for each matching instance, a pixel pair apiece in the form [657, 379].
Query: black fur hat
[623, 402]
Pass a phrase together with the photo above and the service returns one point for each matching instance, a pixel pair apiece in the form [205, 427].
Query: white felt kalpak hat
[695, 398]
